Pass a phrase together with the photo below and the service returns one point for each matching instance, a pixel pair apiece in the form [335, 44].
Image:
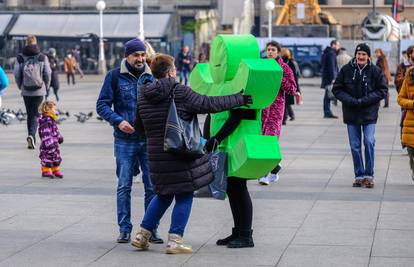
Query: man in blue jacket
[329, 72]
[120, 90]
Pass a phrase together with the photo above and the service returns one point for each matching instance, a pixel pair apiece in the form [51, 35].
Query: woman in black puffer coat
[171, 176]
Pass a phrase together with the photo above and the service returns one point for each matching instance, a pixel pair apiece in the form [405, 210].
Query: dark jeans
[71, 76]
[180, 214]
[32, 104]
[410, 151]
[184, 76]
[128, 154]
[326, 105]
[355, 137]
[240, 203]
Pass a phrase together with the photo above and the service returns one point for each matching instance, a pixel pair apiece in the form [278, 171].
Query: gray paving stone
[321, 256]
[393, 243]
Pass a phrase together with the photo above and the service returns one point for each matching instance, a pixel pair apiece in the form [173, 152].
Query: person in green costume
[235, 63]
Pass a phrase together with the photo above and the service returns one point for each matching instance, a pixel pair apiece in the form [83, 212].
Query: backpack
[32, 72]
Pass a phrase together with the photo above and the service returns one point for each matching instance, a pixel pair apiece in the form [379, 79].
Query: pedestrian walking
[399, 79]
[51, 138]
[32, 74]
[360, 86]
[54, 66]
[406, 101]
[288, 58]
[329, 73]
[184, 61]
[402, 68]
[342, 58]
[173, 177]
[70, 67]
[120, 90]
[272, 117]
[382, 63]
[4, 83]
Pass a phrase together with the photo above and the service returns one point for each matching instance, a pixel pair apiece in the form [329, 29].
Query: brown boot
[175, 245]
[141, 239]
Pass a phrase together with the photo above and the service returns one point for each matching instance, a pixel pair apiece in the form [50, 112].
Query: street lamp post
[141, 20]
[270, 5]
[100, 6]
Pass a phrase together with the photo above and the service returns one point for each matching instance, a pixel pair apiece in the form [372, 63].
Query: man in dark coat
[329, 72]
[360, 86]
[184, 61]
[120, 90]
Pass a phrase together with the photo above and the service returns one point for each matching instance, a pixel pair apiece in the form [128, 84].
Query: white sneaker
[273, 178]
[264, 180]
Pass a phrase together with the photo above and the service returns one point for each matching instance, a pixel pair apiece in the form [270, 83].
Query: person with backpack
[120, 91]
[4, 82]
[32, 74]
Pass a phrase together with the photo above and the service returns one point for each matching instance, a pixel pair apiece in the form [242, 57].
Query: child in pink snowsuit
[50, 136]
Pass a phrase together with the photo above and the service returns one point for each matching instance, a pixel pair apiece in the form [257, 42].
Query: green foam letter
[235, 64]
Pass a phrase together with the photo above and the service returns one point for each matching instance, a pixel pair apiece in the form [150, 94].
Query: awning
[78, 25]
[4, 21]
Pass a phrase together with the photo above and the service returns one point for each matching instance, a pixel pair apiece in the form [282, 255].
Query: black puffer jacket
[360, 91]
[170, 174]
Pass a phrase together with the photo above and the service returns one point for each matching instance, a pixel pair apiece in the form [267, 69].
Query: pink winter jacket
[272, 116]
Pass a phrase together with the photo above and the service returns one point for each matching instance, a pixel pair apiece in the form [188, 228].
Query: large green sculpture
[235, 64]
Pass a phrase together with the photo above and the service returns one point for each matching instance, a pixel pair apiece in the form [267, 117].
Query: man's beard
[138, 65]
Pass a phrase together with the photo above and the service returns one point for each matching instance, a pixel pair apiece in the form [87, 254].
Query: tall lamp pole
[270, 5]
[141, 20]
[100, 6]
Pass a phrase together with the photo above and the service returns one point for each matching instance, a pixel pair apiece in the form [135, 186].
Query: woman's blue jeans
[355, 132]
[180, 214]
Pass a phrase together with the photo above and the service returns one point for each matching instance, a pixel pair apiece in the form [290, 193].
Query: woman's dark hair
[161, 64]
[274, 44]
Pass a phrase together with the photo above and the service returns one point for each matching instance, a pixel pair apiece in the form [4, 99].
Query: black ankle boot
[234, 234]
[245, 240]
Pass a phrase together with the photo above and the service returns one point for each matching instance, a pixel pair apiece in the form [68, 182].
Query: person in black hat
[360, 86]
[120, 91]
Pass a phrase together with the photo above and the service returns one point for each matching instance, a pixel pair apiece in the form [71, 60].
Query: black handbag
[182, 137]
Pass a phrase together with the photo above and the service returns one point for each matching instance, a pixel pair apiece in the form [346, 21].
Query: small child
[51, 138]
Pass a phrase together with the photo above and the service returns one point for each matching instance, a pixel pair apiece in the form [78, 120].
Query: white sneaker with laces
[273, 178]
[264, 180]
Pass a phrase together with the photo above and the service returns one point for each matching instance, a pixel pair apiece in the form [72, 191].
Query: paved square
[310, 217]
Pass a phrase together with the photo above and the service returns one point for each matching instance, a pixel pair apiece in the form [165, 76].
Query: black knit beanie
[363, 47]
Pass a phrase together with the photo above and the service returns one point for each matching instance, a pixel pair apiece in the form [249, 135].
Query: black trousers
[240, 203]
[32, 104]
[71, 76]
[288, 112]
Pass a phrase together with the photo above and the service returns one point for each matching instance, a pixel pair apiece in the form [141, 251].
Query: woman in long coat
[406, 101]
[173, 177]
[272, 117]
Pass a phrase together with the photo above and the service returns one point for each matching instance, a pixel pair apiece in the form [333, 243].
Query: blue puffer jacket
[4, 82]
[123, 100]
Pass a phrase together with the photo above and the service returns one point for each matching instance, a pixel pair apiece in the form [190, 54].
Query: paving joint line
[318, 194]
[396, 135]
